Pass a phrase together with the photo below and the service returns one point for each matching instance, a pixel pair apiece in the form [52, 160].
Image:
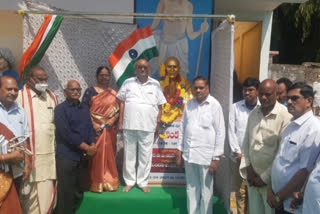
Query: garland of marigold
[172, 109]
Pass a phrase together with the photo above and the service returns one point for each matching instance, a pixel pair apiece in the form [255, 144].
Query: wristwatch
[277, 199]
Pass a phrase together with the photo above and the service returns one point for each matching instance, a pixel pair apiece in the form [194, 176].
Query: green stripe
[129, 72]
[43, 47]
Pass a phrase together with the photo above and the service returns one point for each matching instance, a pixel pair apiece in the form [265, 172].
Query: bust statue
[176, 89]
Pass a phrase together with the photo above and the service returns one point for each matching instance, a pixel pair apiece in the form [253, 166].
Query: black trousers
[71, 176]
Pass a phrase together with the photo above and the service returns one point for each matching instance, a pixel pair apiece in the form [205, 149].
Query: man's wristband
[277, 199]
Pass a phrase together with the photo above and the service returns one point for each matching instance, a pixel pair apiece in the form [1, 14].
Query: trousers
[137, 146]
[199, 188]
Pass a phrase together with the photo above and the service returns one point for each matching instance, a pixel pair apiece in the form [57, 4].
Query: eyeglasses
[74, 89]
[293, 98]
[140, 67]
[200, 87]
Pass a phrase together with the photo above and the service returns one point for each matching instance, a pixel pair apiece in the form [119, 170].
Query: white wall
[265, 45]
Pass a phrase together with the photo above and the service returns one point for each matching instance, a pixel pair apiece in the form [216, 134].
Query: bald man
[75, 143]
[140, 98]
[261, 144]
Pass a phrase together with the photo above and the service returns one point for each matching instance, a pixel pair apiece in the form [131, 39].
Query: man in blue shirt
[14, 118]
[75, 143]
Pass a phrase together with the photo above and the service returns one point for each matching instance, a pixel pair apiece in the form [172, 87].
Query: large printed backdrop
[179, 37]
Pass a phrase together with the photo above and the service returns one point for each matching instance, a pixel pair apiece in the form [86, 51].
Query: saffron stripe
[128, 43]
[29, 53]
[44, 46]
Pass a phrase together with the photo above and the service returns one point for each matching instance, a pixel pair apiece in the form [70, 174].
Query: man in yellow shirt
[38, 193]
[261, 144]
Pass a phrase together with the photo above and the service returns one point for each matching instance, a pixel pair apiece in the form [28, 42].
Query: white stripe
[46, 32]
[140, 46]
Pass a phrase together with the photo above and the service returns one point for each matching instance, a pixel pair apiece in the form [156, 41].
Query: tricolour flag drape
[33, 55]
[139, 45]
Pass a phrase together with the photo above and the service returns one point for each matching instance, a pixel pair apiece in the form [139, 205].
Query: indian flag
[139, 45]
[33, 55]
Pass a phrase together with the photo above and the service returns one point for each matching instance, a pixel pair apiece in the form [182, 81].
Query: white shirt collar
[43, 95]
[148, 81]
[244, 103]
[300, 120]
[14, 106]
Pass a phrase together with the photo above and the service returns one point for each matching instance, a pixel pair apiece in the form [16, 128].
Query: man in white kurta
[201, 143]
[260, 145]
[238, 118]
[38, 193]
[140, 112]
[299, 149]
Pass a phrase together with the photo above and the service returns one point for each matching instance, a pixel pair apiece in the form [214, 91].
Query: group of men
[274, 146]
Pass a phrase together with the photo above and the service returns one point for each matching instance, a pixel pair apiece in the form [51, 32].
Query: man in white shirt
[201, 143]
[141, 98]
[238, 118]
[260, 145]
[311, 201]
[299, 149]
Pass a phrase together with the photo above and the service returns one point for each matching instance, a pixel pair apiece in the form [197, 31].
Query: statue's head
[172, 67]
[6, 59]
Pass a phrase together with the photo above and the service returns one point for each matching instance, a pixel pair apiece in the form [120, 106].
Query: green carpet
[161, 200]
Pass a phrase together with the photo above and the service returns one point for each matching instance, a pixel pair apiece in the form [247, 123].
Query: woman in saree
[9, 201]
[104, 109]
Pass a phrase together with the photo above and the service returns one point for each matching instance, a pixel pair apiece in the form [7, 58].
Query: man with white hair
[75, 143]
[140, 112]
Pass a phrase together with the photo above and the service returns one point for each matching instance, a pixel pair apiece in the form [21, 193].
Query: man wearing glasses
[75, 143]
[299, 149]
[141, 99]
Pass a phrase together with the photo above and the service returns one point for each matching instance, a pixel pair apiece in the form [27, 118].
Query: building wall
[12, 33]
[247, 47]
[307, 72]
[252, 44]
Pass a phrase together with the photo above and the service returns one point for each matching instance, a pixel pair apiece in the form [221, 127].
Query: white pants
[40, 199]
[199, 189]
[141, 142]
[311, 201]
[258, 200]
